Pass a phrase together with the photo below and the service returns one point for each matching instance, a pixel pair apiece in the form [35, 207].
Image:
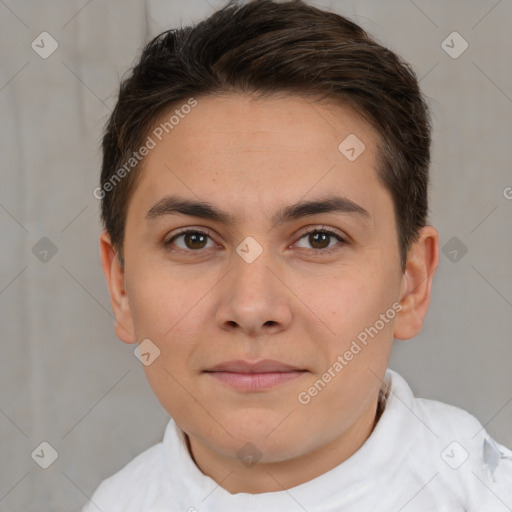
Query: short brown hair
[265, 47]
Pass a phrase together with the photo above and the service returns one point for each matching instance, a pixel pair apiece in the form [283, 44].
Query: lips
[264, 366]
[243, 376]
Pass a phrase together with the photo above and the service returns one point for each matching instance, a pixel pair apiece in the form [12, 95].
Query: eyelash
[167, 244]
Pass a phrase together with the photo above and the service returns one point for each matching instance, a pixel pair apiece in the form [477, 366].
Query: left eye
[195, 240]
[317, 238]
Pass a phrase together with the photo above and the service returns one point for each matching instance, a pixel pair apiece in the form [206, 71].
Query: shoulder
[133, 487]
[460, 451]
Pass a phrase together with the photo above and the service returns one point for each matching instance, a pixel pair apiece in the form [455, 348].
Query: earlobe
[422, 261]
[114, 275]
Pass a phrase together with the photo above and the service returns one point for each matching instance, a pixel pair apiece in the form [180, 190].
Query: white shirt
[423, 455]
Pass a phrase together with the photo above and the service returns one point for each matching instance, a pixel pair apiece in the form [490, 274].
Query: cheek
[167, 313]
[172, 315]
[159, 303]
[361, 315]
[355, 305]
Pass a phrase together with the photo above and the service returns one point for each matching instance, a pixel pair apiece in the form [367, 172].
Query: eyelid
[194, 229]
[322, 228]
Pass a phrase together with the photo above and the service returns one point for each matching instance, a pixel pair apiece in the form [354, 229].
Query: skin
[295, 303]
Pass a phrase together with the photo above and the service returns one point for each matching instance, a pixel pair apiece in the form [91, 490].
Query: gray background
[64, 376]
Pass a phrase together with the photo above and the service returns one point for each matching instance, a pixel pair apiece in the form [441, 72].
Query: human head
[266, 47]
[252, 142]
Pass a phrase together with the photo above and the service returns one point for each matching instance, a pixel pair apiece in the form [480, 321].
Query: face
[257, 277]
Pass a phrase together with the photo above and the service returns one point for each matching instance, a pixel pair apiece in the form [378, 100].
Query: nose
[254, 298]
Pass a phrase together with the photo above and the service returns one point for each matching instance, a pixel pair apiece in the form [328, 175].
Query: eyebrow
[172, 205]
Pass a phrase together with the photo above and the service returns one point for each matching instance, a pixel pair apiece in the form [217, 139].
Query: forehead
[243, 121]
[257, 153]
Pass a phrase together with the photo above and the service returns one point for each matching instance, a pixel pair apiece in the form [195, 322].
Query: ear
[416, 285]
[114, 275]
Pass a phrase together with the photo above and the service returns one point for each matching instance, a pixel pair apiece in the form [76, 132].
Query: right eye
[193, 240]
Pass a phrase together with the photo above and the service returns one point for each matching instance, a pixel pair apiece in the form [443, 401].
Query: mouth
[259, 376]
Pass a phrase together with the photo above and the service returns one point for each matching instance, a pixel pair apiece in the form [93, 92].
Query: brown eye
[320, 239]
[193, 240]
